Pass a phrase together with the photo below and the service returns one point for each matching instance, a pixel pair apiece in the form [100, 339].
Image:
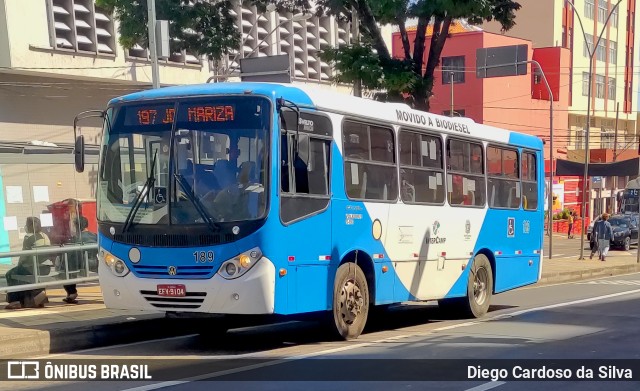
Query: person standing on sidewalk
[569, 236]
[603, 232]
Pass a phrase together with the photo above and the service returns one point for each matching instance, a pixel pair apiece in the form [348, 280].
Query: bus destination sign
[202, 113]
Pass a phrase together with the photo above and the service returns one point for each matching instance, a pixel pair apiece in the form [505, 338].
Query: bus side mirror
[78, 153]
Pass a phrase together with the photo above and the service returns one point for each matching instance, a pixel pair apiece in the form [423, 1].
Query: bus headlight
[239, 265]
[116, 265]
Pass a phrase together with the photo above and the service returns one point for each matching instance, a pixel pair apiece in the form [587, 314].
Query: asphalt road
[581, 321]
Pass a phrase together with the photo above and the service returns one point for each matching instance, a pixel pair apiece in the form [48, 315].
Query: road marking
[487, 386]
[365, 344]
[610, 282]
[246, 368]
[116, 346]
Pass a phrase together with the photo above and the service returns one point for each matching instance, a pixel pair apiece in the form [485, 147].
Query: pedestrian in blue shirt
[603, 232]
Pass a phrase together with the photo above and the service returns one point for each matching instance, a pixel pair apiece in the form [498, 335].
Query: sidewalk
[60, 327]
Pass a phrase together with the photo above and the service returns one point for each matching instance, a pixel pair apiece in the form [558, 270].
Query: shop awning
[630, 167]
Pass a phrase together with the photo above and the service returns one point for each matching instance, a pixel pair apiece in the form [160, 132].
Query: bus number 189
[203, 256]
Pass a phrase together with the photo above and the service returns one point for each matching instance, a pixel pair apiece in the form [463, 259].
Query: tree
[409, 75]
[200, 27]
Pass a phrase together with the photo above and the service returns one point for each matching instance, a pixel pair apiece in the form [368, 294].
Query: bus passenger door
[305, 211]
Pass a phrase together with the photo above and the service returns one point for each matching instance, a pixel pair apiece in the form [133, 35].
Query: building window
[600, 85]
[613, 52]
[80, 26]
[589, 8]
[455, 65]
[601, 51]
[579, 137]
[585, 83]
[587, 46]
[602, 11]
[607, 139]
[614, 18]
[612, 88]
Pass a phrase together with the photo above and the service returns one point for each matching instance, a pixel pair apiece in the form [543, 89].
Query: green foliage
[203, 28]
[399, 77]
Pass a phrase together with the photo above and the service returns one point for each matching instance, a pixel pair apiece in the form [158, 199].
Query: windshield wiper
[201, 210]
[143, 193]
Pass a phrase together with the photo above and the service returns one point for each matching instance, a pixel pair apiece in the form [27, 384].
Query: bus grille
[192, 300]
[181, 271]
[173, 240]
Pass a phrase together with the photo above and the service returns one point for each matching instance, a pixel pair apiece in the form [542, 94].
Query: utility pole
[355, 33]
[451, 94]
[153, 51]
[615, 152]
[585, 176]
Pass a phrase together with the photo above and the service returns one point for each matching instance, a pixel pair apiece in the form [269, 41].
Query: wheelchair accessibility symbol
[160, 196]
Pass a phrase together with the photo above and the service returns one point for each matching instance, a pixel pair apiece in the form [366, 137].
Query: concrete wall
[30, 48]
[537, 21]
[5, 55]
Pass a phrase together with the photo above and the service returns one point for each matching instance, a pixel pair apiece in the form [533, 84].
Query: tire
[627, 243]
[350, 307]
[479, 291]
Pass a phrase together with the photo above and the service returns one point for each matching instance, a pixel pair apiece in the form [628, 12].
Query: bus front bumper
[252, 293]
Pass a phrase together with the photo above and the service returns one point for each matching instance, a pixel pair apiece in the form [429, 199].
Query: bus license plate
[172, 290]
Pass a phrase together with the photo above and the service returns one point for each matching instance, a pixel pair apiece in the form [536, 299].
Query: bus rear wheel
[479, 291]
[350, 302]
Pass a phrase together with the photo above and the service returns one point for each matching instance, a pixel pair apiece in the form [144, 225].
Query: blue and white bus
[273, 199]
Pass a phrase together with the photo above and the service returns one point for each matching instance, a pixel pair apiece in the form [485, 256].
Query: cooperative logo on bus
[173, 271]
[436, 227]
[436, 239]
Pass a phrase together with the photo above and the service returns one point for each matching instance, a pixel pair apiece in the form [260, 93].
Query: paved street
[589, 319]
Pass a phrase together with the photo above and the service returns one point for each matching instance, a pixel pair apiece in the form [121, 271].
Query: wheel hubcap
[351, 302]
[480, 286]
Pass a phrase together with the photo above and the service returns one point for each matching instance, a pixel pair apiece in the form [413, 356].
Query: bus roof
[322, 99]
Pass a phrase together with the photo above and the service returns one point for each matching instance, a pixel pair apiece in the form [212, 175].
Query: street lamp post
[586, 147]
[153, 50]
[546, 83]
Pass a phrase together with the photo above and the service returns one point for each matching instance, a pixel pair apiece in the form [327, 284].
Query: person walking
[569, 236]
[603, 232]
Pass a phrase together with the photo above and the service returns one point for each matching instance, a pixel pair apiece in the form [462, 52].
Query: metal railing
[59, 266]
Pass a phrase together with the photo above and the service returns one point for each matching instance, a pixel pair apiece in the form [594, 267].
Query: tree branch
[405, 40]
[368, 21]
[439, 37]
[418, 44]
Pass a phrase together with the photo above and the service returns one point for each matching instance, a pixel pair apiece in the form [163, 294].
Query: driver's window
[304, 169]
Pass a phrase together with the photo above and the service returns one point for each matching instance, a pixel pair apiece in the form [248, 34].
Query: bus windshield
[210, 161]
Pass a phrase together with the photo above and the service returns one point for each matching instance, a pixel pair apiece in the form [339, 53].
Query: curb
[29, 343]
[579, 275]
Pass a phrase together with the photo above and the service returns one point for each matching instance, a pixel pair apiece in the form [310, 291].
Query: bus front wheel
[350, 302]
[479, 291]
